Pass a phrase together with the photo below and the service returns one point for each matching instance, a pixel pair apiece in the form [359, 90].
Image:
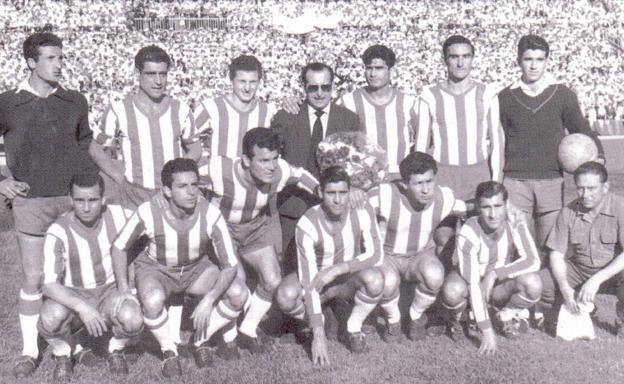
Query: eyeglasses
[315, 88]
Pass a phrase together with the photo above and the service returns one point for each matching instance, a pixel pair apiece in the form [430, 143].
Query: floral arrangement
[363, 160]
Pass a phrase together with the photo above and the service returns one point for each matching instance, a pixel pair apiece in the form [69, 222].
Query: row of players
[456, 120]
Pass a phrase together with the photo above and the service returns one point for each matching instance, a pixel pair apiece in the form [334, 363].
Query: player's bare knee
[454, 292]
[286, 296]
[372, 281]
[52, 317]
[391, 283]
[32, 282]
[531, 285]
[130, 317]
[237, 294]
[153, 302]
[271, 283]
[432, 275]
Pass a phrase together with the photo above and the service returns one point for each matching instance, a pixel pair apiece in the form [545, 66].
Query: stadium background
[101, 38]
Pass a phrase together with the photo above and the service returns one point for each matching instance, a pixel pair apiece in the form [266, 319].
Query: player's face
[153, 79]
[533, 64]
[459, 61]
[336, 198]
[245, 84]
[590, 190]
[377, 74]
[48, 66]
[184, 190]
[421, 186]
[492, 212]
[318, 88]
[87, 203]
[263, 164]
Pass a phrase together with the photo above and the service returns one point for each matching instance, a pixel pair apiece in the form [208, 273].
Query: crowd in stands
[586, 40]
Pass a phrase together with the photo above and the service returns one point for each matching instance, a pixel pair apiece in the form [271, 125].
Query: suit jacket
[297, 134]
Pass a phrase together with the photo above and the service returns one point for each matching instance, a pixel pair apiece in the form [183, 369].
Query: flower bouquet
[362, 159]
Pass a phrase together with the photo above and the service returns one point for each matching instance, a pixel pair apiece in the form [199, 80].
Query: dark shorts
[173, 279]
[463, 179]
[535, 195]
[34, 215]
[261, 232]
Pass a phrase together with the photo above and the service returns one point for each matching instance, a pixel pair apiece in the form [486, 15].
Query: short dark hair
[316, 67]
[174, 166]
[153, 54]
[532, 42]
[40, 39]
[245, 63]
[262, 138]
[417, 163]
[334, 174]
[456, 39]
[86, 180]
[592, 168]
[489, 189]
[379, 51]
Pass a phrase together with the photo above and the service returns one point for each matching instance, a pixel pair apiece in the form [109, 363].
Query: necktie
[317, 132]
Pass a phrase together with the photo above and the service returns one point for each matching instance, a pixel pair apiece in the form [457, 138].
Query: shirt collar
[25, 86]
[546, 81]
[605, 209]
[311, 110]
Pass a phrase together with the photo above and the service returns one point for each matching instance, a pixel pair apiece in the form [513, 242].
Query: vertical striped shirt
[175, 242]
[463, 129]
[78, 256]
[229, 124]
[409, 230]
[240, 199]
[148, 141]
[357, 243]
[388, 125]
[509, 252]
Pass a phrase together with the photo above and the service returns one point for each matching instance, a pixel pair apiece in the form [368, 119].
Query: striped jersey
[463, 129]
[78, 256]
[229, 124]
[408, 230]
[357, 243]
[175, 242]
[509, 252]
[239, 198]
[388, 125]
[147, 141]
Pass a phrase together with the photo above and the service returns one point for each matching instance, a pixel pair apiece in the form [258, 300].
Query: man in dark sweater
[47, 136]
[535, 111]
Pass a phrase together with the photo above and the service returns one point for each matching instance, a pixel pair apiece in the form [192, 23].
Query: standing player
[181, 228]
[231, 115]
[497, 263]
[458, 118]
[244, 188]
[337, 249]
[411, 209]
[78, 279]
[46, 134]
[535, 111]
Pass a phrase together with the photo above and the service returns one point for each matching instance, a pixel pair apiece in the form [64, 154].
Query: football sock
[230, 332]
[174, 322]
[160, 330]
[519, 301]
[457, 310]
[29, 305]
[117, 343]
[60, 347]
[258, 307]
[363, 306]
[421, 302]
[299, 312]
[221, 315]
[391, 308]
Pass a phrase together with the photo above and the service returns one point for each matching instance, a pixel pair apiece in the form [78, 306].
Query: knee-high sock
[29, 305]
[421, 302]
[363, 306]
[456, 311]
[174, 322]
[221, 316]
[258, 307]
[117, 343]
[60, 346]
[298, 312]
[160, 329]
[230, 332]
[391, 308]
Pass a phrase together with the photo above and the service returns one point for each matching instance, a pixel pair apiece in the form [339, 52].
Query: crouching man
[497, 261]
[338, 249]
[79, 283]
[181, 227]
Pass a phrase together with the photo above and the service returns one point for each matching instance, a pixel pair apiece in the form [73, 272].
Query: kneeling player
[180, 225]
[337, 250]
[78, 278]
[497, 259]
[411, 209]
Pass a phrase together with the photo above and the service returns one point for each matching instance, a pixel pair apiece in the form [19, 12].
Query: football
[576, 149]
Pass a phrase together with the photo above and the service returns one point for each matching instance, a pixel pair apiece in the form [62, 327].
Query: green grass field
[534, 358]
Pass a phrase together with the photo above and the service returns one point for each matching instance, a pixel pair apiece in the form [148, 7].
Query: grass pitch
[534, 358]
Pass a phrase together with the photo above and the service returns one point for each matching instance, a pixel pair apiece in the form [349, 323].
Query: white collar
[25, 86]
[312, 110]
[546, 81]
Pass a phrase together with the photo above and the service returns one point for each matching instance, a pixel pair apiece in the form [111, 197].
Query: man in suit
[317, 118]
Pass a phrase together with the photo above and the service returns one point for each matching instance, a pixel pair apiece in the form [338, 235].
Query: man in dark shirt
[535, 112]
[47, 136]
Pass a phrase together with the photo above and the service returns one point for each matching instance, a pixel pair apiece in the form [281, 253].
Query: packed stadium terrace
[100, 41]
